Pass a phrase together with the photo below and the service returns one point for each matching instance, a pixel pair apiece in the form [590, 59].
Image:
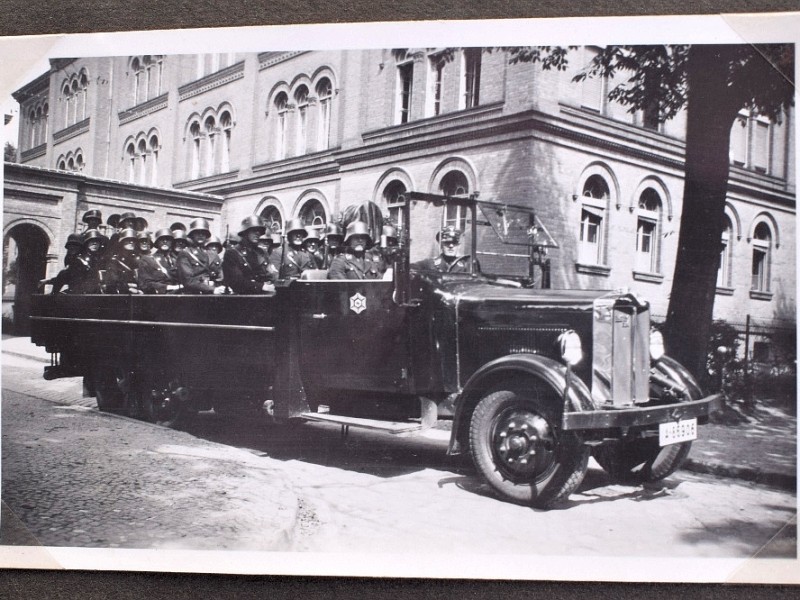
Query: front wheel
[111, 389]
[520, 452]
[641, 460]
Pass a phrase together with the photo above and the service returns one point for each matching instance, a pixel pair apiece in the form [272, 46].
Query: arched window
[324, 96]
[194, 132]
[594, 202]
[43, 123]
[313, 214]
[84, 87]
[648, 231]
[66, 98]
[153, 147]
[393, 196]
[138, 75]
[454, 183]
[301, 101]
[210, 127]
[272, 219]
[130, 154]
[79, 164]
[725, 255]
[762, 250]
[142, 151]
[75, 101]
[71, 164]
[226, 124]
[32, 124]
[62, 164]
[282, 108]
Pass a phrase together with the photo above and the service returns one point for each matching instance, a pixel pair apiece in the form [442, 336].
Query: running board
[394, 427]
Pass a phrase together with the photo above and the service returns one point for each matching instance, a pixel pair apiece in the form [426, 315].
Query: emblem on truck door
[358, 303]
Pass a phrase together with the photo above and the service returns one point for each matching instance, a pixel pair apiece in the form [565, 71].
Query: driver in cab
[449, 260]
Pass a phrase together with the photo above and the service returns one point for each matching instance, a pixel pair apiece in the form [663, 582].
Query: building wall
[534, 138]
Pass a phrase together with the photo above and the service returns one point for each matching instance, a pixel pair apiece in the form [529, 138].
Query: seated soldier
[290, 261]
[334, 238]
[84, 271]
[157, 271]
[215, 249]
[311, 247]
[448, 261]
[121, 276]
[356, 262]
[74, 246]
[246, 265]
[194, 262]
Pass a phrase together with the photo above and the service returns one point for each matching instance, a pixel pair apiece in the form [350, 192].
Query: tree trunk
[710, 114]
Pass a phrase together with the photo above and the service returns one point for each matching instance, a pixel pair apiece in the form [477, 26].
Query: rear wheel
[641, 460]
[168, 406]
[518, 449]
[110, 387]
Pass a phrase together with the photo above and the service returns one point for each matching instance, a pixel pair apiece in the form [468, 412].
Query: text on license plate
[677, 431]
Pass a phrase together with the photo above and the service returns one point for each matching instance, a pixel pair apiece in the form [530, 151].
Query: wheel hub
[523, 444]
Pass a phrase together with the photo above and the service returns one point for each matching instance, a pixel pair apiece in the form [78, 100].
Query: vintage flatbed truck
[534, 380]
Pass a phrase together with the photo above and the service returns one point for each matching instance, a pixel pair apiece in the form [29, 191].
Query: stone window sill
[645, 276]
[600, 270]
[724, 291]
[759, 295]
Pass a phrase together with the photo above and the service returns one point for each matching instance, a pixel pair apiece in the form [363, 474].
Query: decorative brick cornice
[270, 59]
[209, 82]
[71, 131]
[144, 109]
[34, 152]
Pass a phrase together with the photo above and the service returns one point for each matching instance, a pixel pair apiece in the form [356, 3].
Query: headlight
[656, 344]
[571, 351]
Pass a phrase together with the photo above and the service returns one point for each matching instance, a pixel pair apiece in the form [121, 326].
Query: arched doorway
[24, 265]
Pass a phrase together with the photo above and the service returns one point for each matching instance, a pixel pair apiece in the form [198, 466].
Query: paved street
[74, 476]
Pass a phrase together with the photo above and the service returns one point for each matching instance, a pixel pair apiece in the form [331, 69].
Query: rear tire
[641, 460]
[109, 383]
[518, 448]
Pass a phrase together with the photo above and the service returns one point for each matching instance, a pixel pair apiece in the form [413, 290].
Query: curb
[28, 356]
[778, 480]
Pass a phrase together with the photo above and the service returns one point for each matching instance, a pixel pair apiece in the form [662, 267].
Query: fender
[680, 374]
[547, 370]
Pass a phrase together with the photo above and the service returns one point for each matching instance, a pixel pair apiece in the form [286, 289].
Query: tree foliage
[9, 152]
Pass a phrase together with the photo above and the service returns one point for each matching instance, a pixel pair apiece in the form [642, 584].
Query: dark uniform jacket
[195, 270]
[349, 266]
[247, 268]
[119, 272]
[82, 275]
[156, 272]
[290, 263]
[459, 265]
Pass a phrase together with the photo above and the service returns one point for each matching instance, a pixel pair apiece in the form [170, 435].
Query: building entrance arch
[24, 265]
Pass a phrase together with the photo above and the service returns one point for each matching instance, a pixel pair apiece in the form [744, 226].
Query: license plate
[677, 431]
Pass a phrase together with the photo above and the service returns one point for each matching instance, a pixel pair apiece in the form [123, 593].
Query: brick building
[305, 134]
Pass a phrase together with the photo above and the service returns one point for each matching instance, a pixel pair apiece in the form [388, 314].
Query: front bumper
[641, 416]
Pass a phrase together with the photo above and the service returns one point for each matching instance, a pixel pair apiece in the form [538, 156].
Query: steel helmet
[252, 222]
[93, 234]
[127, 234]
[312, 233]
[140, 223]
[232, 239]
[449, 233]
[334, 230]
[113, 220]
[199, 225]
[74, 239]
[92, 214]
[358, 228]
[179, 235]
[163, 233]
[214, 241]
[126, 220]
[177, 225]
[144, 235]
[388, 232]
[295, 225]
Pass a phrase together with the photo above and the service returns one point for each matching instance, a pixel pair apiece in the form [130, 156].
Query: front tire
[109, 385]
[641, 460]
[520, 451]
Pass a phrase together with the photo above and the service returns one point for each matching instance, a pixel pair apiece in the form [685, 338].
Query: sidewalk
[763, 449]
